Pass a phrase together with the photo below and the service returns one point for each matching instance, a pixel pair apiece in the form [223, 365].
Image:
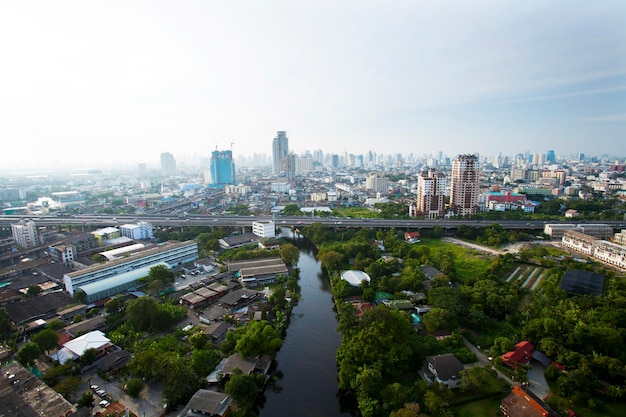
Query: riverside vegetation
[381, 352]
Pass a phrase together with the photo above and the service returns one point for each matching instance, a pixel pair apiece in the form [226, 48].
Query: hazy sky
[88, 81]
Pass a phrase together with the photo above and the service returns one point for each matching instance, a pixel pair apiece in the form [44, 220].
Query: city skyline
[97, 82]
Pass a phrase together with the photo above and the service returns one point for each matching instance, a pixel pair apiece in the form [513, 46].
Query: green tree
[33, 291]
[142, 312]
[80, 296]
[28, 353]
[330, 259]
[115, 305]
[88, 357]
[259, 337]
[46, 339]
[244, 388]
[86, 401]
[161, 273]
[290, 254]
[204, 361]
[68, 386]
[292, 210]
[134, 387]
[474, 378]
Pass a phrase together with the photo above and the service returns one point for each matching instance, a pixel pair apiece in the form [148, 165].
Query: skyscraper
[280, 150]
[222, 169]
[464, 190]
[168, 164]
[550, 157]
[431, 194]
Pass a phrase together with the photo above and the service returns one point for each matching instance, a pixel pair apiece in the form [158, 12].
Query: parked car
[94, 387]
[104, 403]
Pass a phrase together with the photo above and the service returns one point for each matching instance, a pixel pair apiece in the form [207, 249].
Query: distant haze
[108, 82]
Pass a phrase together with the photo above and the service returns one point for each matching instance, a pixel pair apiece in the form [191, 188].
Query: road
[165, 220]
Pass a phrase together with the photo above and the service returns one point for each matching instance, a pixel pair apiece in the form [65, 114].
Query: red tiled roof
[521, 355]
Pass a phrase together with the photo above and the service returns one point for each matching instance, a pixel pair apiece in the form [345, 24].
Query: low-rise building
[445, 369]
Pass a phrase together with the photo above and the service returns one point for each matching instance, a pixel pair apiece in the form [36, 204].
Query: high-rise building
[464, 190]
[377, 184]
[168, 164]
[222, 169]
[280, 150]
[25, 234]
[550, 157]
[431, 194]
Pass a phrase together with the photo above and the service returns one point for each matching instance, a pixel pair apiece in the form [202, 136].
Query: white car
[104, 403]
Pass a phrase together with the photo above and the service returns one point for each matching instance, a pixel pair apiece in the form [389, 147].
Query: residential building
[62, 253]
[431, 194]
[280, 150]
[464, 190]
[445, 369]
[598, 230]
[222, 169]
[25, 234]
[620, 238]
[264, 228]
[524, 403]
[611, 253]
[521, 355]
[579, 242]
[377, 184]
[168, 164]
[139, 231]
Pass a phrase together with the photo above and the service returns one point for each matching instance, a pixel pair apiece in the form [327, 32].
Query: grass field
[489, 407]
[468, 262]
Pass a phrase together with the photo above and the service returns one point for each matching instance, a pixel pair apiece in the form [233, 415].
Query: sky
[100, 82]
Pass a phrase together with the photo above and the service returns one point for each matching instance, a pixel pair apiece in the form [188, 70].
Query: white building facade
[264, 229]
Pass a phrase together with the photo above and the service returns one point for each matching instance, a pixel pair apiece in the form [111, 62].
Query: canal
[307, 386]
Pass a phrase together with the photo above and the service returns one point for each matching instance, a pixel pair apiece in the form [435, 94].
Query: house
[75, 348]
[430, 272]
[523, 403]
[521, 355]
[571, 213]
[208, 403]
[445, 369]
[412, 237]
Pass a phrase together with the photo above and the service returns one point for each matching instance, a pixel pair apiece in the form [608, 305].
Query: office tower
[25, 234]
[280, 150]
[464, 190]
[550, 157]
[168, 164]
[431, 194]
[222, 169]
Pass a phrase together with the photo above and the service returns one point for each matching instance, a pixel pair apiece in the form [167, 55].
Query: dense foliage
[585, 334]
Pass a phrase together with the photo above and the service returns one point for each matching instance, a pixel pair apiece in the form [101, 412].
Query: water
[308, 386]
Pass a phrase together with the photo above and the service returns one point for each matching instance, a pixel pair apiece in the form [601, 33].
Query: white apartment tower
[168, 164]
[280, 150]
[377, 184]
[431, 194]
[464, 189]
[25, 234]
